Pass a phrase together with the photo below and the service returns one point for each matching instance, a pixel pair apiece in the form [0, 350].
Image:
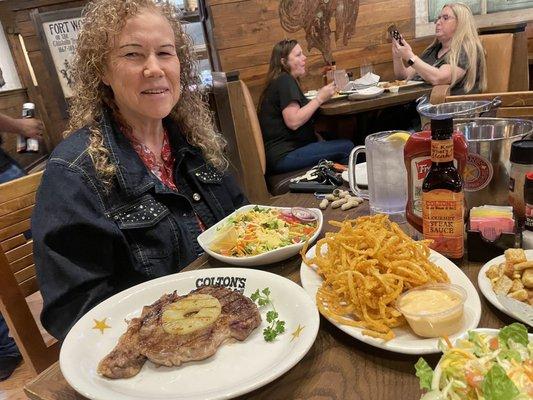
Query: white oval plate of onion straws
[405, 340]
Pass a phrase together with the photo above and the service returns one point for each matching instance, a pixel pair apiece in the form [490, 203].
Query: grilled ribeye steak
[148, 338]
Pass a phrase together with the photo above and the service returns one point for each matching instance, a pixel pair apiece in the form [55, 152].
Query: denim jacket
[90, 244]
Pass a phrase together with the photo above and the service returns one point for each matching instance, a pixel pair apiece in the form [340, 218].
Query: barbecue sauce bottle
[417, 156]
[442, 194]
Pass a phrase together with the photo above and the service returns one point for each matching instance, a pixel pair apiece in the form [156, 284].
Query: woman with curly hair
[141, 172]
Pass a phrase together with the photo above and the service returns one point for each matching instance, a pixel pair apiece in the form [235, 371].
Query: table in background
[336, 367]
[386, 99]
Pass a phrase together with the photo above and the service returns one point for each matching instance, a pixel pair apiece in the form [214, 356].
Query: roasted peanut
[351, 203]
[338, 203]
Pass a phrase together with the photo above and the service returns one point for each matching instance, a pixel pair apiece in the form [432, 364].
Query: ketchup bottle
[417, 157]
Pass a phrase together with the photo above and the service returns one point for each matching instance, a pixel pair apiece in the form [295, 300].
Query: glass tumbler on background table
[387, 178]
[366, 68]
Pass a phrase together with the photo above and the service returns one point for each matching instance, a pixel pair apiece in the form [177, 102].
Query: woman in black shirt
[455, 57]
[286, 115]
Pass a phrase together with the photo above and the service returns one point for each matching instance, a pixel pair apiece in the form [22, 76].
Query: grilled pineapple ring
[191, 313]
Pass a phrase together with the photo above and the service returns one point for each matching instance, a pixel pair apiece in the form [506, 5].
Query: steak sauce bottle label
[442, 195]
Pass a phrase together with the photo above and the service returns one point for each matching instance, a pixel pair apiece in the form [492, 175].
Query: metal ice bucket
[456, 109]
[489, 147]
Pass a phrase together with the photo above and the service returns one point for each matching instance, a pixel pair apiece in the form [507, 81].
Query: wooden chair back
[17, 271]
[514, 104]
[250, 143]
[255, 126]
[498, 57]
[498, 60]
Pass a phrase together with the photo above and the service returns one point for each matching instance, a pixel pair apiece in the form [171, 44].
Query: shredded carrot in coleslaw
[259, 230]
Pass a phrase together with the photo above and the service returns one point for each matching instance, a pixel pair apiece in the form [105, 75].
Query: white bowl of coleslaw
[286, 241]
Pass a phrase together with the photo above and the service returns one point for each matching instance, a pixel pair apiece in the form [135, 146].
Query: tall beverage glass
[387, 178]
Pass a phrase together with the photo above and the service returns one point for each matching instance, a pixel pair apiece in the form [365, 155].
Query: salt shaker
[521, 162]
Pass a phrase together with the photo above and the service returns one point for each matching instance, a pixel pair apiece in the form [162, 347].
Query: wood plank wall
[246, 30]
[15, 16]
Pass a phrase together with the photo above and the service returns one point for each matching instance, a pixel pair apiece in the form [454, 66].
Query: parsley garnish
[276, 326]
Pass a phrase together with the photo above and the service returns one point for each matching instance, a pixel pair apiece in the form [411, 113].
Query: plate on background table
[406, 341]
[235, 369]
[407, 84]
[366, 93]
[206, 238]
[485, 285]
[313, 93]
[360, 174]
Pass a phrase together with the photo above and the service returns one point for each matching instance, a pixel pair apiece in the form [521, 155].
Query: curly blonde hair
[104, 19]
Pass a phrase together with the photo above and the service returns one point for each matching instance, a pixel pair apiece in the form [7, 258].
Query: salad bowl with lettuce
[258, 235]
[485, 364]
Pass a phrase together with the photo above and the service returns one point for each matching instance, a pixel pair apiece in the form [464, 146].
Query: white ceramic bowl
[270, 257]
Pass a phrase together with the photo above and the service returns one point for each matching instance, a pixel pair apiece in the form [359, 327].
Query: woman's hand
[325, 93]
[405, 51]
[396, 54]
[295, 116]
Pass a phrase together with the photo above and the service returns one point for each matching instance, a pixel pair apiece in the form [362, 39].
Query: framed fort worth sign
[58, 33]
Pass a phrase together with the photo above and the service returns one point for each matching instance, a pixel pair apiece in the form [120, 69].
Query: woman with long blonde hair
[455, 56]
[141, 172]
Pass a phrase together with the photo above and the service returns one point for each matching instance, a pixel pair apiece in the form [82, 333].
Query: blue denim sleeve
[238, 198]
[73, 247]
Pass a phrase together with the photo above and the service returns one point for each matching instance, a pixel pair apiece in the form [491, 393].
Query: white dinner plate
[366, 93]
[361, 174]
[269, 257]
[406, 341]
[311, 95]
[486, 287]
[236, 368]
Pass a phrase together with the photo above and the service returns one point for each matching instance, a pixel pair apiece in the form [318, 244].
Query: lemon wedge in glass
[400, 136]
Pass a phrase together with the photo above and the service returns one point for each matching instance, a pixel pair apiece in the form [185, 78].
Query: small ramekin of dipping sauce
[433, 310]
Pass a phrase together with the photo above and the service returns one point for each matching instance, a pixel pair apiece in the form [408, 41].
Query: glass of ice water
[365, 68]
[387, 177]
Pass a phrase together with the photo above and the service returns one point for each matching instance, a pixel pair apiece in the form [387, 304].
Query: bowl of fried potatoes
[511, 275]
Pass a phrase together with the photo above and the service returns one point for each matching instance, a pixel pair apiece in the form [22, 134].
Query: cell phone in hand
[395, 34]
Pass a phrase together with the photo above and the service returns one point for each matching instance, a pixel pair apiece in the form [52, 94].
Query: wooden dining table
[337, 366]
[384, 100]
